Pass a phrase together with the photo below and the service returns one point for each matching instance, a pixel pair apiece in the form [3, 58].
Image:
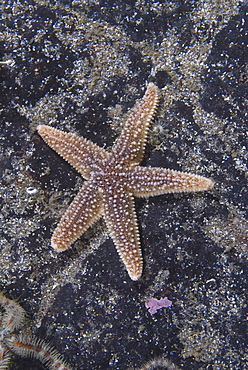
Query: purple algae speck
[155, 304]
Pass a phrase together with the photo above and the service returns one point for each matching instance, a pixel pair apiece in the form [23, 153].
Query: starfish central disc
[113, 179]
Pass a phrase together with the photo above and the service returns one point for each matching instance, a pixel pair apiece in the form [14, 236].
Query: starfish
[113, 179]
[14, 340]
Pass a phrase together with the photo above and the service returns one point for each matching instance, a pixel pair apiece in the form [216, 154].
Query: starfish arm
[85, 209]
[120, 217]
[81, 153]
[144, 182]
[130, 146]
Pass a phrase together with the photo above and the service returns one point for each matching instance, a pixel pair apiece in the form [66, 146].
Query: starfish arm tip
[207, 184]
[135, 276]
[135, 272]
[58, 247]
[193, 183]
[40, 128]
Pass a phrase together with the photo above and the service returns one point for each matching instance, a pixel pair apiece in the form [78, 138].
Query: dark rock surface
[80, 66]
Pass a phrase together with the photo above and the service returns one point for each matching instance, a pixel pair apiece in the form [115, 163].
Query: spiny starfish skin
[114, 178]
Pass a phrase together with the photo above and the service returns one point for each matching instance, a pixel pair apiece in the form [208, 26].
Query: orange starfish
[113, 180]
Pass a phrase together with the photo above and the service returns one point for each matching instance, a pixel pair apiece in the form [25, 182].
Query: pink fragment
[155, 304]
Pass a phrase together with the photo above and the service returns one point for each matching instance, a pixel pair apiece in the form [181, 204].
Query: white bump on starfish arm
[131, 144]
[78, 151]
[122, 224]
[146, 181]
[85, 209]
